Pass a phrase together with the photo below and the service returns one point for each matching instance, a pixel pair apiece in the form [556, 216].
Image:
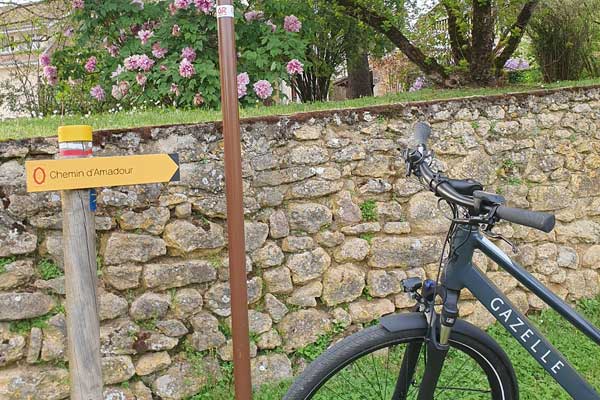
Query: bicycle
[428, 354]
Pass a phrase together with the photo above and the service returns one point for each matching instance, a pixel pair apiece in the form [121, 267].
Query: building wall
[333, 225]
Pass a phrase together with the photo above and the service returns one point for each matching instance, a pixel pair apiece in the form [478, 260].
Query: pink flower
[204, 5]
[113, 50]
[77, 4]
[186, 69]
[98, 93]
[51, 74]
[117, 71]
[263, 89]
[90, 65]
[243, 79]
[182, 4]
[69, 32]
[141, 79]
[145, 63]
[145, 35]
[158, 51]
[138, 62]
[175, 89]
[172, 9]
[188, 53]
[116, 92]
[132, 62]
[44, 59]
[124, 87]
[198, 99]
[242, 90]
[163, 68]
[295, 67]
[254, 15]
[292, 24]
[176, 31]
[271, 25]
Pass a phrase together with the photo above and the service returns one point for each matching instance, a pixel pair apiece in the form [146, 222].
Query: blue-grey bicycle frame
[461, 273]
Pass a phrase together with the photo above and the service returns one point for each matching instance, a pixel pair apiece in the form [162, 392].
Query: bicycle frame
[461, 273]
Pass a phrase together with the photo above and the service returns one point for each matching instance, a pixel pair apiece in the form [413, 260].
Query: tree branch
[428, 65]
[461, 49]
[510, 40]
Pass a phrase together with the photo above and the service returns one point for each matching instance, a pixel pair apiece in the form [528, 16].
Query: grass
[34, 127]
[534, 382]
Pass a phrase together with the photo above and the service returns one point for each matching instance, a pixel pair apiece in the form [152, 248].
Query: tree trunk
[436, 72]
[482, 56]
[360, 82]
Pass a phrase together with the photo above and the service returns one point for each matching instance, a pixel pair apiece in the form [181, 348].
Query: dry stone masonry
[333, 226]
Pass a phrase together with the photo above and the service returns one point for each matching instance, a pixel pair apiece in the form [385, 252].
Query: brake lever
[488, 232]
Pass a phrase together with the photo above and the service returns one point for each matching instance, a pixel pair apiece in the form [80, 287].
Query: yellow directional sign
[84, 173]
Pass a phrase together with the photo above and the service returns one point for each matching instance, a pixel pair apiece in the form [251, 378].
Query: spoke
[457, 374]
[387, 369]
[376, 374]
[335, 393]
[343, 375]
[363, 374]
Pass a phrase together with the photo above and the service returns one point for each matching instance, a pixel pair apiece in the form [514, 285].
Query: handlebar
[442, 188]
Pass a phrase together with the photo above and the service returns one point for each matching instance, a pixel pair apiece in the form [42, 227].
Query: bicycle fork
[435, 350]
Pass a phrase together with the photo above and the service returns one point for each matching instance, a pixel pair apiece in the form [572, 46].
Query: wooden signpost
[75, 172]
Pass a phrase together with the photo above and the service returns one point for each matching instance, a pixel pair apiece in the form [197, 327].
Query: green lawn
[534, 382]
[34, 127]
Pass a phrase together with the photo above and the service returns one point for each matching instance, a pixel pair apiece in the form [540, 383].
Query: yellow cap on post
[75, 133]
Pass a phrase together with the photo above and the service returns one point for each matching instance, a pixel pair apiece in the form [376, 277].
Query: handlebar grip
[533, 219]
[422, 132]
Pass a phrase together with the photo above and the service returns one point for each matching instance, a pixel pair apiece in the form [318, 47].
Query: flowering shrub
[516, 64]
[418, 84]
[133, 53]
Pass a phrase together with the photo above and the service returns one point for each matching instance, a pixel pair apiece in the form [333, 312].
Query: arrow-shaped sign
[85, 173]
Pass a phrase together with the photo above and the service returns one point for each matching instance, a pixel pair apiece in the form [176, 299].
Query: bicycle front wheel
[369, 366]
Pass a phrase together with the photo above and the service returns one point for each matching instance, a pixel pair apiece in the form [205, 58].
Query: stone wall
[333, 226]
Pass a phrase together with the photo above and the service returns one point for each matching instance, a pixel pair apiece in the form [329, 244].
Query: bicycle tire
[465, 338]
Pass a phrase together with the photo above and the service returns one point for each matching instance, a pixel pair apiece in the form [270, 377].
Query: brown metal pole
[235, 208]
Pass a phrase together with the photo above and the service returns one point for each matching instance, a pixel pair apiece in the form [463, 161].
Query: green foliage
[24, 326]
[148, 324]
[368, 210]
[514, 181]
[314, 350]
[225, 329]
[368, 237]
[4, 262]
[194, 357]
[49, 270]
[564, 39]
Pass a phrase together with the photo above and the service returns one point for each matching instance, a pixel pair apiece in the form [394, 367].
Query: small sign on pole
[82, 173]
